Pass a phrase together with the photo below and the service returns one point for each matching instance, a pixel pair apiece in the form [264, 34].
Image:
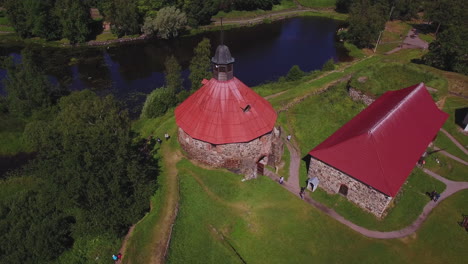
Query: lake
[129, 71]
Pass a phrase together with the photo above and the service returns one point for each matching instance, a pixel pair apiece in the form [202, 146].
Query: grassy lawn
[354, 51]
[318, 3]
[106, 36]
[395, 31]
[284, 4]
[443, 142]
[447, 167]
[284, 171]
[387, 77]
[3, 19]
[405, 208]
[317, 117]
[222, 219]
[453, 103]
[143, 241]
[427, 37]
[5, 28]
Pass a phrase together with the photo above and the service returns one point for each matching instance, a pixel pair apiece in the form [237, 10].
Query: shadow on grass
[461, 117]
[424, 28]
[306, 159]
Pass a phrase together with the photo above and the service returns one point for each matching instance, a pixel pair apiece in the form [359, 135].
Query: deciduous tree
[28, 89]
[167, 23]
[200, 63]
[74, 18]
[124, 17]
[90, 164]
[365, 23]
[450, 50]
[32, 18]
[173, 74]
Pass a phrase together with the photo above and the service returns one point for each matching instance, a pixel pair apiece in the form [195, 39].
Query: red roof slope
[215, 113]
[381, 145]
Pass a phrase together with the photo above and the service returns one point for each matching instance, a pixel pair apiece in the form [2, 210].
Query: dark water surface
[130, 71]
[263, 53]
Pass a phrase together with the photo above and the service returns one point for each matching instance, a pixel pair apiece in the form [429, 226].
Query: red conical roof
[223, 112]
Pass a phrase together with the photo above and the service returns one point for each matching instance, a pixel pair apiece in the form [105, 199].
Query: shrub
[158, 102]
[329, 65]
[295, 73]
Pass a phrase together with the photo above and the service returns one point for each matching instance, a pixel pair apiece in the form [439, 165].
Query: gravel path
[292, 185]
[443, 152]
[411, 41]
[460, 146]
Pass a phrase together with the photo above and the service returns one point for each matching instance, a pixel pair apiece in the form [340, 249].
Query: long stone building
[225, 124]
[370, 157]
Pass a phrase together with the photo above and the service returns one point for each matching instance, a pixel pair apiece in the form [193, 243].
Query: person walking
[302, 192]
[281, 180]
[288, 137]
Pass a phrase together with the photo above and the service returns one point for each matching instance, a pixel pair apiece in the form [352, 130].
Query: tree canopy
[450, 50]
[74, 18]
[124, 17]
[366, 21]
[167, 23]
[200, 63]
[28, 89]
[94, 178]
[173, 74]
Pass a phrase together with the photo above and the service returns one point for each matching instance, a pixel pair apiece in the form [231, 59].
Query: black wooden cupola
[223, 64]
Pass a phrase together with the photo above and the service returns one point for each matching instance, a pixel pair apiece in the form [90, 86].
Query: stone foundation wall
[240, 158]
[360, 96]
[361, 194]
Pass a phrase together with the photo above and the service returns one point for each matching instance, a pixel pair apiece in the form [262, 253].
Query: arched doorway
[343, 190]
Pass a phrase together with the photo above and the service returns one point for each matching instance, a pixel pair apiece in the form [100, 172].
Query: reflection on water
[263, 53]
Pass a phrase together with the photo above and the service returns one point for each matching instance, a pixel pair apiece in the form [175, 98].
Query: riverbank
[222, 213]
[12, 39]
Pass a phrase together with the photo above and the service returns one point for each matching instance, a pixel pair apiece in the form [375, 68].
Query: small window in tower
[222, 69]
[246, 108]
[229, 67]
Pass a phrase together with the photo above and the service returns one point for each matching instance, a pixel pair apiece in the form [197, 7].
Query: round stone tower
[225, 124]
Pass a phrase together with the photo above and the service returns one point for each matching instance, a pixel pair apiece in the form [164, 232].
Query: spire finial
[222, 32]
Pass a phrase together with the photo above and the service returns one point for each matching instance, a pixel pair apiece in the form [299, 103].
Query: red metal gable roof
[381, 145]
[222, 112]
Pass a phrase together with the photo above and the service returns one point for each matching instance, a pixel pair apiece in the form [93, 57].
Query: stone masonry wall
[360, 96]
[361, 194]
[238, 157]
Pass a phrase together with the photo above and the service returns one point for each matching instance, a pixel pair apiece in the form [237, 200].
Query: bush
[294, 74]
[167, 23]
[329, 65]
[183, 95]
[158, 102]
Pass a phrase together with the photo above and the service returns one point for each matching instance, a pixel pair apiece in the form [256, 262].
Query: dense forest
[56, 19]
[92, 176]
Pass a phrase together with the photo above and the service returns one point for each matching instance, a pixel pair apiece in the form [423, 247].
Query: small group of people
[166, 136]
[117, 257]
[434, 196]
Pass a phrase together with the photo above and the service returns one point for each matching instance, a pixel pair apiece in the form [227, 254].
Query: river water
[129, 71]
